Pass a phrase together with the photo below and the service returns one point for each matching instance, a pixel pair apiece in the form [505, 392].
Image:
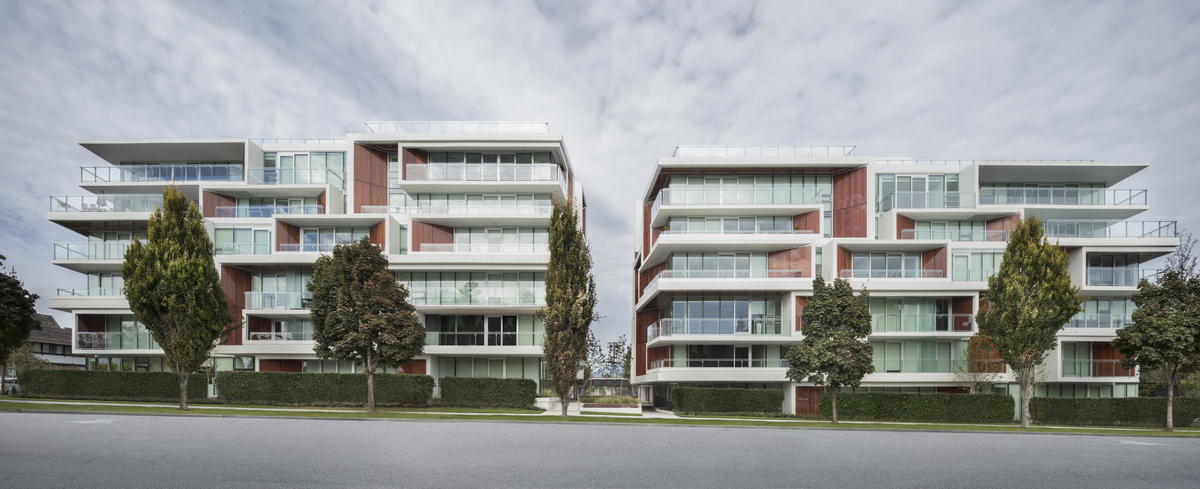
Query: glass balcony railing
[116, 341]
[737, 231]
[162, 173]
[281, 335]
[722, 151]
[278, 300]
[714, 326]
[931, 366]
[857, 273]
[294, 176]
[719, 363]
[1095, 368]
[479, 172]
[266, 210]
[922, 323]
[482, 296]
[1079, 228]
[455, 127]
[1120, 277]
[480, 338]
[90, 251]
[941, 234]
[484, 248]
[1100, 321]
[971, 275]
[927, 200]
[731, 274]
[105, 203]
[1060, 196]
[474, 210]
[98, 292]
[737, 196]
[242, 249]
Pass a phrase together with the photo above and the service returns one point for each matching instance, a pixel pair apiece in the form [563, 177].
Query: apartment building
[729, 239]
[461, 209]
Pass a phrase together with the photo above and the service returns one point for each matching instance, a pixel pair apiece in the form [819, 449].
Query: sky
[623, 82]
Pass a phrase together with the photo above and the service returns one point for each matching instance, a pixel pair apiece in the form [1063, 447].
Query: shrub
[953, 408]
[109, 386]
[705, 400]
[290, 388]
[487, 392]
[1113, 411]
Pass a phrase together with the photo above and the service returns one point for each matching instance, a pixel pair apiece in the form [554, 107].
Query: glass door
[741, 356]
[493, 331]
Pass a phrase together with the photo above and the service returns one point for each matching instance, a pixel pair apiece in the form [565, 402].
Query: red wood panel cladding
[286, 233]
[370, 177]
[417, 367]
[376, 234]
[279, 365]
[655, 354]
[934, 259]
[845, 261]
[409, 156]
[800, 303]
[91, 323]
[321, 202]
[423, 232]
[212, 201]
[255, 324]
[808, 400]
[646, 206]
[645, 277]
[1006, 223]
[809, 221]
[235, 282]
[961, 308]
[643, 319]
[850, 204]
[1108, 366]
[903, 224]
[793, 259]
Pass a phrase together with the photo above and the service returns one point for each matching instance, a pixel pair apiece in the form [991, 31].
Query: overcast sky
[622, 82]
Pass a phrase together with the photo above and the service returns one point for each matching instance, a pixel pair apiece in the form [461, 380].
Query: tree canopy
[361, 314]
[570, 301]
[17, 315]
[174, 289]
[1028, 301]
[834, 352]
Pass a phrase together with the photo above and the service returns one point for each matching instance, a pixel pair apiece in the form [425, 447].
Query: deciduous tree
[361, 314]
[173, 287]
[1029, 300]
[834, 352]
[17, 316]
[977, 370]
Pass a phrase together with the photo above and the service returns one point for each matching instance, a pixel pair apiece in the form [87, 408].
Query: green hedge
[1113, 411]
[955, 408]
[289, 388]
[109, 386]
[490, 392]
[705, 400]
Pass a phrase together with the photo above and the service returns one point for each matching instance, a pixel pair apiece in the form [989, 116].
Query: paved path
[60, 450]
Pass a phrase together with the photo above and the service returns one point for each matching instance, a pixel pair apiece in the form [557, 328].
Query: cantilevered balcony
[1056, 196]
[478, 296]
[731, 273]
[456, 127]
[484, 248]
[922, 323]
[719, 363]
[957, 236]
[1115, 321]
[90, 251]
[480, 338]
[926, 200]
[1095, 368]
[280, 335]
[105, 203]
[291, 301]
[242, 249]
[474, 210]
[162, 173]
[266, 211]
[867, 273]
[126, 340]
[1119, 277]
[670, 327]
[1087, 228]
[294, 176]
[92, 292]
[484, 172]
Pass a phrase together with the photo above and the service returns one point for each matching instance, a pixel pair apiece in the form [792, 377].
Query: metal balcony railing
[116, 341]
[1082, 228]
[937, 234]
[242, 249]
[90, 251]
[1120, 277]
[719, 363]
[162, 173]
[927, 200]
[1095, 368]
[857, 273]
[714, 326]
[105, 203]
[294, 176]
[484, 248]
[266, 210]
[278, 300]
[1060, 196]
[97, 292]
[922, 323]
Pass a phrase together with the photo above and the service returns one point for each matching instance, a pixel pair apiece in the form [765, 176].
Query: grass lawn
[207, 407]
[610, 414]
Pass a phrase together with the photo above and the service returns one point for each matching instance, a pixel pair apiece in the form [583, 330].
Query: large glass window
[1120, 270]
[1104, 312]
[887, 265]
[241, 241]
[721, 315]
[975, 266]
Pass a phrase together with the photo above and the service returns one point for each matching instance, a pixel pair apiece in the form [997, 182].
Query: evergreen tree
[1028, 301]
[361, 314]
[17, 316]
[1164, 339]
[834, 352]
[173, 287]
[570, 301]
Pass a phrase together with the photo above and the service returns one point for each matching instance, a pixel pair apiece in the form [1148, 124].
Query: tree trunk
[564, 399]
[833, 401]
[1170, 406]
[370, 385]
[183, 381]
[1025, 386]
[3, 376]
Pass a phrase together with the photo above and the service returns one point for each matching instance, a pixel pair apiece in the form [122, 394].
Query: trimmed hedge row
[1113, 411]
[959, 408]
[487, 392]
[290, 388]
[707, 400]
[110, 386]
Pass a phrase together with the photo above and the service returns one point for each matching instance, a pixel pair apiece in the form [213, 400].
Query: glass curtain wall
[713, 264]
[721, 315]
[241, 241]
[1104, 312]
[759, 190]
[732, 225]
[885, 265]
[916, 356]
[929, 191]
[475, 288]
[975, 266]
[909, 314]
[501, 240]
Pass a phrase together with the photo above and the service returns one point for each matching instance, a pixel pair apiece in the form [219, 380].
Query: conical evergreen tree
[570, 301]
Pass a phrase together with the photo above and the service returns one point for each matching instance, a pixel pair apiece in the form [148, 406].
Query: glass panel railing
[1095, 368]
[1100, 321]
[98, 292]
[929, 366]
[479, 338]
[266, 210]
[491, 210]
[281, 335]
[725, 151]
[732, 274]
[485, 248]
[971, 275]
[1120, 277]
[856, 273]
[278, 300]
[749, 195]
[719, 363]
[714, 326]
[1082, 228]
[242, 249]
[738, 231]
[306, 248]
[466, 127]
[90, 251]
[922, 323]
[226, 172]
[116, 341]
[478, 172]
[105, 203]
[926, 200]
[294, 176]
[972, 235]
[1060, 196]
[484, 296]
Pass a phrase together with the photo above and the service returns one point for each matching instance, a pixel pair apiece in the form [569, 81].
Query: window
[714, 264]
[1119, 270]
[241, 241]
[975, 266]
[324, 239]
[887, 265]
[721, 315]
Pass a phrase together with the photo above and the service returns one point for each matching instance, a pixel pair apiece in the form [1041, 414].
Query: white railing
[485, 248]
[454, 127]
[714, 326]
[1120, 277]
[294, 176]
[242, 249]
[281, 335]
[162, 173]
[927, 200]
[1082, 228]
[738, 231]
[105, 203]
[98, 292]
[90, 251]
[116, 341]
[938, 234]
[266, 210]
[719, 363]
[472, 210]
[484, 172]
[925, 323]
[484, 296]
[1060, 196]
[858, 273]
[277, 300]
[726, 151]
[731, 274]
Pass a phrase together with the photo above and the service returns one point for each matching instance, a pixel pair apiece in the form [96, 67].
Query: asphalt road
[95, 451]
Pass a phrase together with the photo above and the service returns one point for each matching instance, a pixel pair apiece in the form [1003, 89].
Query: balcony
[957, 236]
[694, 151]
[478, 296]
[927, 200]
[1100, 321]
[731, 274]
[859, 273]
[930, 366]
[291, 301]
[306, 248]
[742, 196]
[436, 338]
[972, 274]
[714, 326]
[722, 231]
[1080, 228]
[1061, 196]
[1120, 277]
[242, 249]
[281, 335]
[294, 176]
[455, 127]
[116, 341]
[480, 172]
[474, 210]
[98, 292]
[1095, 368]
[263, 211]
[105, 203]
[484, 248]
[922, 323]
[90, 251]
[719, 363]
[162, 173]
